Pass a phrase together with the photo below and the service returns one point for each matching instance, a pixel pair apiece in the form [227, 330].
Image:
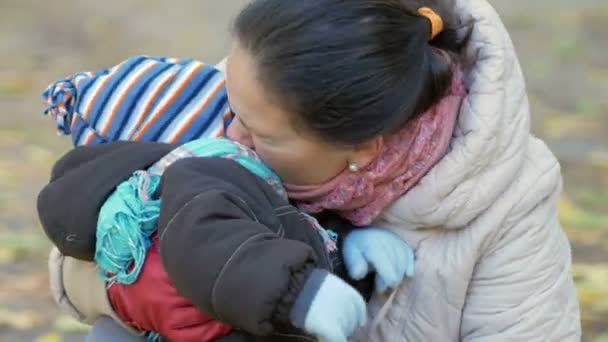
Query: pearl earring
[353, 167]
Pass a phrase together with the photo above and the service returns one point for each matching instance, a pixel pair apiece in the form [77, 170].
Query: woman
[355, 103]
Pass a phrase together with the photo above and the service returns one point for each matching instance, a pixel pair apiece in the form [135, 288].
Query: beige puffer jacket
[493, 263]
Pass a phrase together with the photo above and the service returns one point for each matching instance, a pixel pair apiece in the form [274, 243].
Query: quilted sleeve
[522, 289]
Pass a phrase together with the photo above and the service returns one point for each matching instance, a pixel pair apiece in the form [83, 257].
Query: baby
[231, 245]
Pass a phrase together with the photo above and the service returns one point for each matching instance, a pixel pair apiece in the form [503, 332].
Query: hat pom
[59, 101]
[60, 98]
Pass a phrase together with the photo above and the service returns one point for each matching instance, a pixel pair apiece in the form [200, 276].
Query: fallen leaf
[14, 246]
[591, 283]
[19, 320]
[599, 159]
[601, 338]
[573, 216]
[588, 106]
[68, 324]
[567, 45]
[50, 337]
[557, 125]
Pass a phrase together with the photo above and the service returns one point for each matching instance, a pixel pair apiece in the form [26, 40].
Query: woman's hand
[379, 250]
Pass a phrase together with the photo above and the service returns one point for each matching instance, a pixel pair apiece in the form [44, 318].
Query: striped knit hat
[141, 99]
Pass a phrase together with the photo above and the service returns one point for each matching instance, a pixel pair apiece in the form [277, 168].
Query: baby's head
[141, 99]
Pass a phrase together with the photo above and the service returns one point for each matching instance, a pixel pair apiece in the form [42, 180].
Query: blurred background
[563, 46]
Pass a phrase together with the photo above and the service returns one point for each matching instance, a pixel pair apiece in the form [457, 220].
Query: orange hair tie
[434, 18]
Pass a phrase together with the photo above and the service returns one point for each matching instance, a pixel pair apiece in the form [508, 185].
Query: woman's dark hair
[349, 70]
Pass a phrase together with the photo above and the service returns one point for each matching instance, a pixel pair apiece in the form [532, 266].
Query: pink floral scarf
[405, 158]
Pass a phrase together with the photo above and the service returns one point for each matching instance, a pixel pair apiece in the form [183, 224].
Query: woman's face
[296, 155]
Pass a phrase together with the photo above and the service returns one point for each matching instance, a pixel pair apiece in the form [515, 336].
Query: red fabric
[153, 304]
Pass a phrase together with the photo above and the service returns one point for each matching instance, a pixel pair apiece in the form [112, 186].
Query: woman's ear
[367, 152]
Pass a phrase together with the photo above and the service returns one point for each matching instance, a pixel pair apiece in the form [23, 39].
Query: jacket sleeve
[81, 181]
[224, 260]
[522, 289]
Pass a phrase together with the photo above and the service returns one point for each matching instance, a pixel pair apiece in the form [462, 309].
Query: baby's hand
[379, 250]
[329, 308]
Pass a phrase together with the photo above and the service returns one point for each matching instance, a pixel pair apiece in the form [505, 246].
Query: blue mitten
[328, 308]
[380, 250]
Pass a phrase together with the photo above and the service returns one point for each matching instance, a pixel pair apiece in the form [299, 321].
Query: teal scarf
[129, 217]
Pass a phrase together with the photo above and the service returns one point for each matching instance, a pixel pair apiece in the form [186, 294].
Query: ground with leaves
[562, 45]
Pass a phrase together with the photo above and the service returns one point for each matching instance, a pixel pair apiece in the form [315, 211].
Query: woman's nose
[238, 133]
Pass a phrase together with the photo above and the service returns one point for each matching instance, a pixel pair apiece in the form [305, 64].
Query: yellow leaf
[50, 337]
[591, 283]
[600, 159]
[68, 324]
[19, 320]
[573, 216]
